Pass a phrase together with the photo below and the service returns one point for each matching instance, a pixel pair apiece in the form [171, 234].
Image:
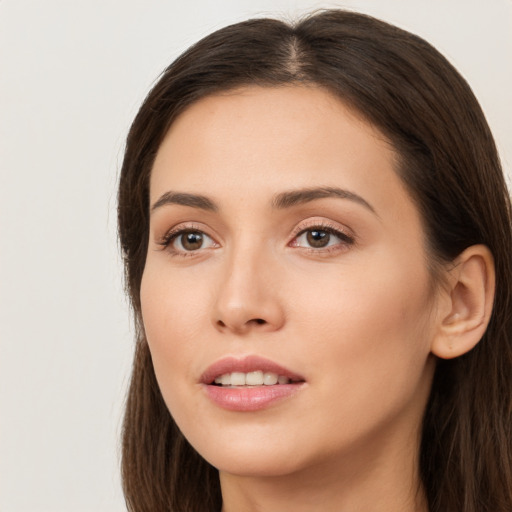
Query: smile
[248, 384]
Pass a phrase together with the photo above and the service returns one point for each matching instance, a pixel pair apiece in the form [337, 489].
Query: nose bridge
[247, 296]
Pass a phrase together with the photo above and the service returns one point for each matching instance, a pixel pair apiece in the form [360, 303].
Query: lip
[249, 398]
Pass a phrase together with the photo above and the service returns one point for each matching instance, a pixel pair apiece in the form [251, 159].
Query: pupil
[318, 238]
[191, 241]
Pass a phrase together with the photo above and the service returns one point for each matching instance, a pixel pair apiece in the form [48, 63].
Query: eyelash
[345, 240]
[172, 235]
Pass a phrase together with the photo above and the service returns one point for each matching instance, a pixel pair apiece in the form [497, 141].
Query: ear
[466, 306]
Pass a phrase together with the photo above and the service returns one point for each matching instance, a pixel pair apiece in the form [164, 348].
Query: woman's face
[284, 246]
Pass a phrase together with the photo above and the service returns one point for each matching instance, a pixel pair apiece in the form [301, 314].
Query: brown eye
[190, 240]
[322, 238]
[187, 241]
[317, 238]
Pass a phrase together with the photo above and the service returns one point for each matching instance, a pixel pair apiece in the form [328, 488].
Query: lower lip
[250, 398]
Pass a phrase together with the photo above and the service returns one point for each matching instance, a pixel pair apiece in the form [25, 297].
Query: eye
[319, 237]
[188, 240]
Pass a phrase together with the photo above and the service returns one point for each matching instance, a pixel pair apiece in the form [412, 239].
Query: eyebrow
[281, 201]
[185, 199]
[305, 195]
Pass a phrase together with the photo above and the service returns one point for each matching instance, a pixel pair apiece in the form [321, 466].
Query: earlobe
[467, 307]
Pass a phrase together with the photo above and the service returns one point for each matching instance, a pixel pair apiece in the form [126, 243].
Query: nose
[248, 297]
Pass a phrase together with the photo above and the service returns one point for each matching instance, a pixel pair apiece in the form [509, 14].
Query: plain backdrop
[72, 74]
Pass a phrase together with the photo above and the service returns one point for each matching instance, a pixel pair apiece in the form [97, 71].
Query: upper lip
[246, 364]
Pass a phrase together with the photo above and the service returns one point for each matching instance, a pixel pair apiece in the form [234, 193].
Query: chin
[250, 455]
[258, 463]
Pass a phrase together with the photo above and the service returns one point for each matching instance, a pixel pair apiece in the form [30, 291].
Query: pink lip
[248, 398]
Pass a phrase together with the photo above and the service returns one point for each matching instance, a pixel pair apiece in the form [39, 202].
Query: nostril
[242, 326]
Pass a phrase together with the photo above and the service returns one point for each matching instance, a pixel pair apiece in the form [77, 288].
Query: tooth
[238, 379]
[269, 378]
[254, 378]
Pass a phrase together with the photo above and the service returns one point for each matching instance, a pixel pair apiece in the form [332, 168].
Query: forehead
[296, 132]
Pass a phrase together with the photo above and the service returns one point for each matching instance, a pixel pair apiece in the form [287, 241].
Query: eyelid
[182, 226]
[346, 237]
[323, 224]
[174, 232]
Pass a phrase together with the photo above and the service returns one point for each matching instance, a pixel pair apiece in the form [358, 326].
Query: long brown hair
[449, 163]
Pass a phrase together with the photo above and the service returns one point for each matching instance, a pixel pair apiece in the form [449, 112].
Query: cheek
[367, 347]
[173, 305]
[173, 317]
[371, 325]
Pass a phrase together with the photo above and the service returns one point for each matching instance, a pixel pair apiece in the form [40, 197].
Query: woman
[313, 219]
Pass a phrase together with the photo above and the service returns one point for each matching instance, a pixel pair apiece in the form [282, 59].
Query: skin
[356, 319]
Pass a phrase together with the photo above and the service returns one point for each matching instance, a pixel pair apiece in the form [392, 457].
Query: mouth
[250, 383]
